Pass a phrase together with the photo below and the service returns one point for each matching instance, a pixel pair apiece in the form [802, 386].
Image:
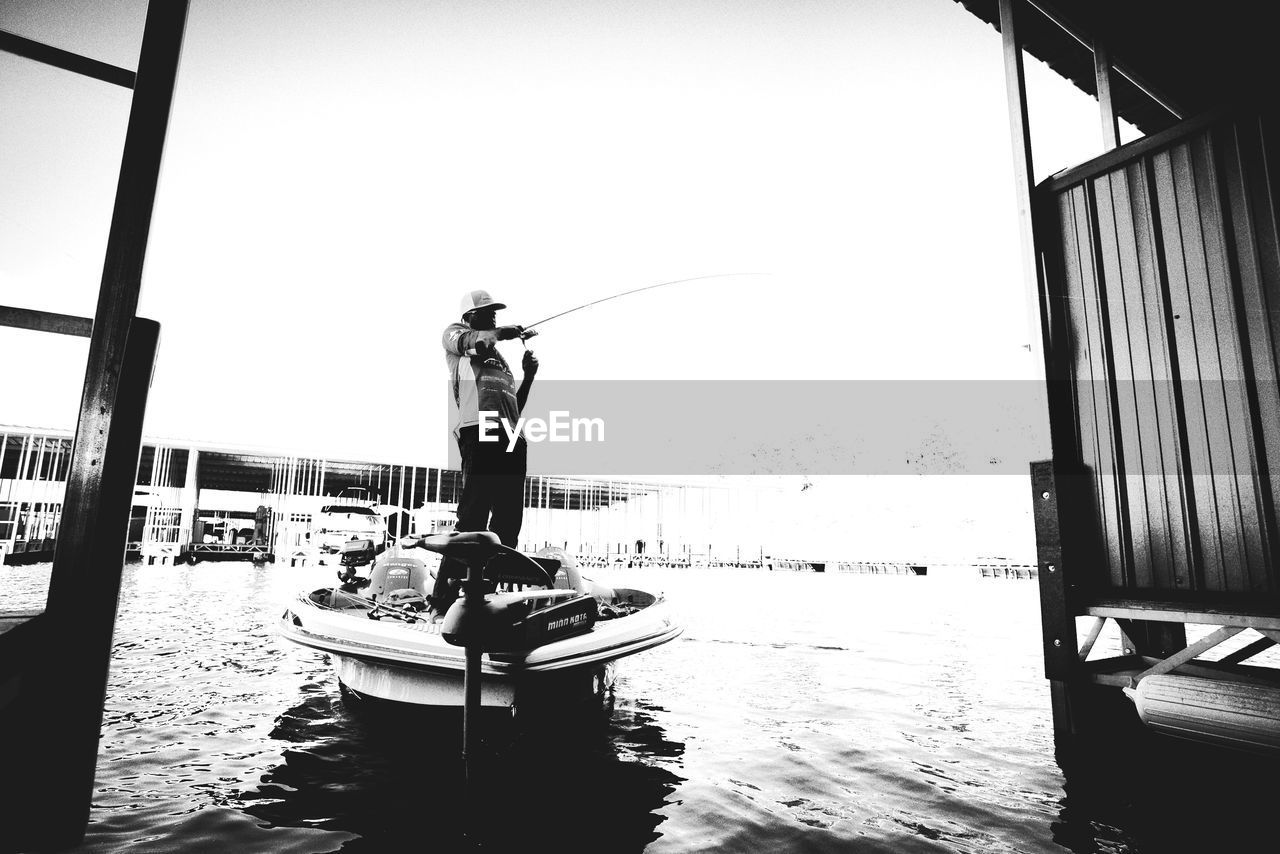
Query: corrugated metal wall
[1162, 271]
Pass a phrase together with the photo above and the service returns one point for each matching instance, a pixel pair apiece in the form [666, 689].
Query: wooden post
[1057, 615]
[63, 698]
[67, 684]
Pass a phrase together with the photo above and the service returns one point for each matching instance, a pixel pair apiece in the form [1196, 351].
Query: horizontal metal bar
[1247, 652]
[1128, 153]
[1094, 631]
[1119, 672]
[1205, 644]
[66, 60]
[45, 321]
[1178, 612]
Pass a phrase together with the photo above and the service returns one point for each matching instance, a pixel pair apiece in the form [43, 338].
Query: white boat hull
[412, 663]
[421, 687]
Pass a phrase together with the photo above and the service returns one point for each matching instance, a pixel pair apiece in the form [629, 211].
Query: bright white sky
[338, 173]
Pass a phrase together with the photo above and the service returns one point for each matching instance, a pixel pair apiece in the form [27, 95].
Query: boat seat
[483, 550]
[551, 596]
[504, 569]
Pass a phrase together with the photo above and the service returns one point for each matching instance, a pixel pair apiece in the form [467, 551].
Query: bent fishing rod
[527, 335]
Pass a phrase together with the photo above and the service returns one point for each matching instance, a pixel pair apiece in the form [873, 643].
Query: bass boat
[548, 631]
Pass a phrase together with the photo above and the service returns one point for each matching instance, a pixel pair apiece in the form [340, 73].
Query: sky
[338, 174]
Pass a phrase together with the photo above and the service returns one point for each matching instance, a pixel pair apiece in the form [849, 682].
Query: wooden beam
[45, 321]
[43, 53]
[1057, 620]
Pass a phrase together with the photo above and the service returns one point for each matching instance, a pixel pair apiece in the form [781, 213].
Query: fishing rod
[625, 293]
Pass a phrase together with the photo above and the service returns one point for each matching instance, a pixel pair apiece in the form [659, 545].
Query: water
[799, 712]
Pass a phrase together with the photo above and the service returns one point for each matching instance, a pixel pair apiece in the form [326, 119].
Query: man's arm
[461, 341]
[530, 366]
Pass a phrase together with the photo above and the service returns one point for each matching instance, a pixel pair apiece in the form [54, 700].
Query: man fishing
[492, 474]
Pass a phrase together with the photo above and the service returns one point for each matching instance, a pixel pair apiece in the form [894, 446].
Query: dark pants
[492, 499]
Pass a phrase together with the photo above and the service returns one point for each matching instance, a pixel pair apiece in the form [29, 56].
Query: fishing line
[636, 291]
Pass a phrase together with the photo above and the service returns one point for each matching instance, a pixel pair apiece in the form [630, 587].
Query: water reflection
[594, 777]
[1136, 791]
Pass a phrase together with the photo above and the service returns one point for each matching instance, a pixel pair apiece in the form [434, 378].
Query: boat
[353, 516]
[550, 631]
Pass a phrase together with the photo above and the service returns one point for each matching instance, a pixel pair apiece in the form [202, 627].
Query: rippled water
[799, 712]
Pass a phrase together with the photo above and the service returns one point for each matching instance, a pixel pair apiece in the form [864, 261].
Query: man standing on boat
[492, 476]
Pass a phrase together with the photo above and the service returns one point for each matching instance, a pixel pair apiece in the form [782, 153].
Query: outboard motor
[398, 573]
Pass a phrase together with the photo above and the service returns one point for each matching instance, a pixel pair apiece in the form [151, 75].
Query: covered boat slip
[1160, 301]
[1155, 269]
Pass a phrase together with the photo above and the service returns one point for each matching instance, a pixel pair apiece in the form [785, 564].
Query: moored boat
[352, 516]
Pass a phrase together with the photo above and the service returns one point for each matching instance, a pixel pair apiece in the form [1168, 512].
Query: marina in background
[203, 503]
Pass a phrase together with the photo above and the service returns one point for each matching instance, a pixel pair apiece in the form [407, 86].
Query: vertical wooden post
[79, 619]
[1057, 614]
[67, 684]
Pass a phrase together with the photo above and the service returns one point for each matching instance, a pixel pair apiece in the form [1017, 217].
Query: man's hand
[529, 363]
[506, 333]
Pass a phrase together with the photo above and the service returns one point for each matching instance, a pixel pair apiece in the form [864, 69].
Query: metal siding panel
[1068, 310]
[1166, 167]
[1163, 458]
[1234, 464]
[1098, 446]
[1253, 246]
[1148, 413]
[1169, 304]
[1118, 267]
